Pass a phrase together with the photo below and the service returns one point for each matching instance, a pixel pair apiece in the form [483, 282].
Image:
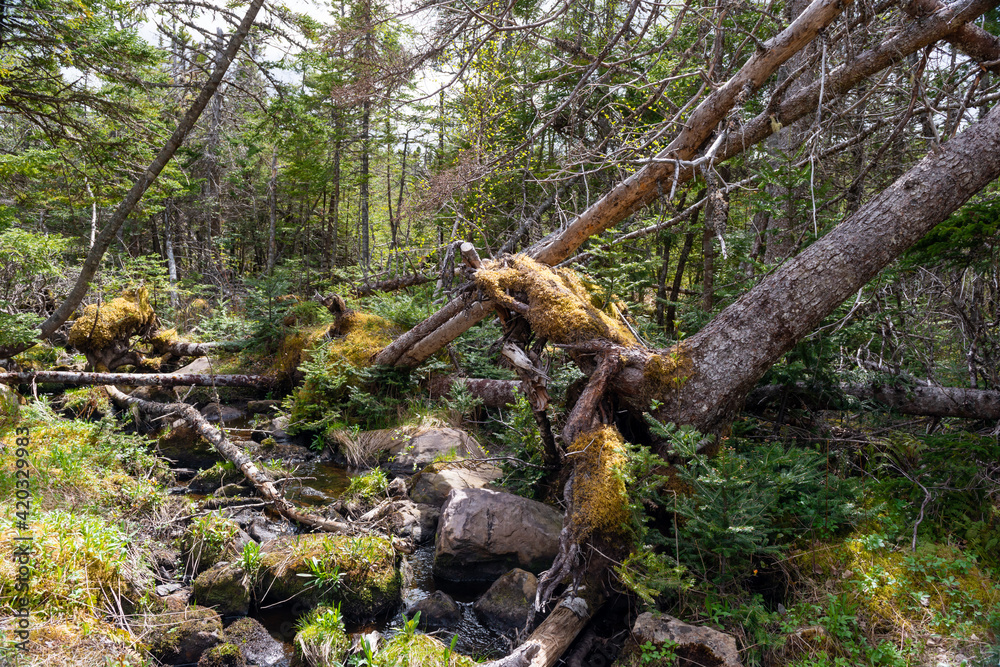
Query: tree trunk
[272, 215]
[919, 400]
[264, 486]
[140, 379]
[728, 357]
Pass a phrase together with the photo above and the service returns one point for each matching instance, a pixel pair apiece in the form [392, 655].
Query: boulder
[360, 573]
[256, 644]
[216, 412]
[437, 611]
[510, 601]
[432, 487]
[419, 449]
[262, 529]
[222, 655]
[223, 587]
[694, 644]
[483, 533]
[264, 407]
[415, 521]
[178, 638]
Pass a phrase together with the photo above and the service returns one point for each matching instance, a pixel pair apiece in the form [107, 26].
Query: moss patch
[559, 306]
[296, 346]
[600, 500]
[103, 325]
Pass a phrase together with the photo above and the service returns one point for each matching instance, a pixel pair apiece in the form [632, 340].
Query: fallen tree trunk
[493, 393]
[264, 486]
[729, 355]
[184, 349]
[140, 379]
[392, 284]
[918, 400]
[553, 636]
[669, 170]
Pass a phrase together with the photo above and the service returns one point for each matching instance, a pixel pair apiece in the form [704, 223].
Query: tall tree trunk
[365, 126]
[272, 215]
[107, 235]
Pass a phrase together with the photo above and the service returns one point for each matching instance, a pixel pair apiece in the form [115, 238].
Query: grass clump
[412, 649]
[559, 306]
[208, 540]
[83, 465]
[359, 573]
[368, 486]
[321, 639]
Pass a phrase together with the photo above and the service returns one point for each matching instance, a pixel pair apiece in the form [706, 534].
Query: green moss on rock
[360, 573]
[223, 655]
[223, 587]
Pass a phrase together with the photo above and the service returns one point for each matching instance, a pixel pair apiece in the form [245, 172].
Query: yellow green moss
[937, 589]
[86, 402]
[103, 325]
[668, 371]
[296, 346]
[600, 499]
[560, 307]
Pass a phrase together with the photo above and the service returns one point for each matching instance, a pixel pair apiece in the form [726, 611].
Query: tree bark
[641, 188]
[732, 352]
[107, 235]
[140, 379]
[918, 400]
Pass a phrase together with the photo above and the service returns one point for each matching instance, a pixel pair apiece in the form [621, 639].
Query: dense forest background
[353, 147]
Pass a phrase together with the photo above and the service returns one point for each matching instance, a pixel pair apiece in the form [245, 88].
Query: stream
[321, 483]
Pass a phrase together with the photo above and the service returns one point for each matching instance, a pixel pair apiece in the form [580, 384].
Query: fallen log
[140, 379]
[392, 284]
[918, 400]
[180, 348]
[553, 636]
[264, 486]
[493, 393]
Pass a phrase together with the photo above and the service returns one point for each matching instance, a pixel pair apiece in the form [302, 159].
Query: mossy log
[264, 486]
[139, 379]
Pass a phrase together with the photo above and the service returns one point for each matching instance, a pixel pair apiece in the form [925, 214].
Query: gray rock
[415, 521]
[215, 412]
[437, 611]
[262, 407]
[163, 590]
[178, 638]
[256, 644]
[397, 488]
[409, 454]
[263, 530]
[482, 534]
[695, 645]
[223, 587]
[509, 602]
[432, 487]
